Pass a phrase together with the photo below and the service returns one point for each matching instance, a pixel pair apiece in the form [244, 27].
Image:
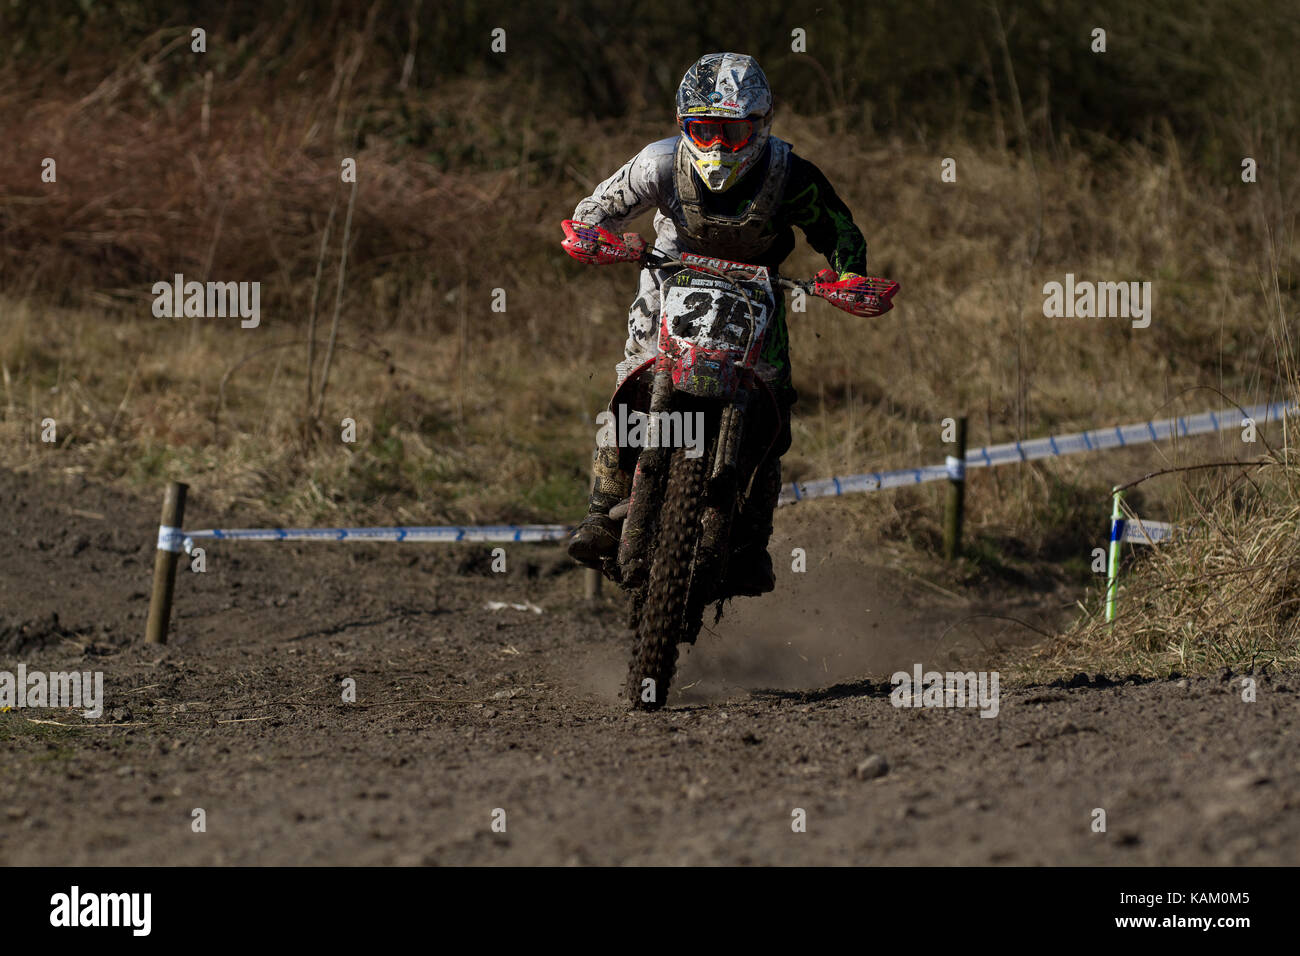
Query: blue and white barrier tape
[505, 532]
[1140, 531]
[171, 539]
[1121, 436]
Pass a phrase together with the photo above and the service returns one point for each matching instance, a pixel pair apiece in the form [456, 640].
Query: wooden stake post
[955, 509]
[164, 563]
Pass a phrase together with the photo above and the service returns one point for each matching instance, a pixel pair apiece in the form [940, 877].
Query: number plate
[713, 318]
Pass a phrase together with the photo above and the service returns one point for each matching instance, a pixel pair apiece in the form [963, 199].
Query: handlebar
[651, 260]
[863, 296]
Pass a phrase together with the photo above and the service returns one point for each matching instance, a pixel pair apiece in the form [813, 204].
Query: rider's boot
[749, 572]
[596, 537]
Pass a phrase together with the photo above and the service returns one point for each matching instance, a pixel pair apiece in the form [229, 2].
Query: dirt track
[242, 716]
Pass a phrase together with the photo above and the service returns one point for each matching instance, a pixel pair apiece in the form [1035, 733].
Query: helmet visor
[729, 134]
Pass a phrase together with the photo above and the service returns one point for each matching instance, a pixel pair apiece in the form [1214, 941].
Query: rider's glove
[635, 244]
[830, 281]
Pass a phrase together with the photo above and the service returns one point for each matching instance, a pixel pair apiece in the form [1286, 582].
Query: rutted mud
[462, 710]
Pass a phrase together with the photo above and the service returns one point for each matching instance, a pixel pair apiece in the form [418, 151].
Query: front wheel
[663, 620]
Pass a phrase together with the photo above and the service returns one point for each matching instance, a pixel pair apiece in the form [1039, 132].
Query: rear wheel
[664, 618]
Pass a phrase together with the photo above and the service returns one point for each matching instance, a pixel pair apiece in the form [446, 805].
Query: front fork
[647, 490]
[722, 490]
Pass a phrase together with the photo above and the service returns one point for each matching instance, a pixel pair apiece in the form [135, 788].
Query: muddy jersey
[751, 222]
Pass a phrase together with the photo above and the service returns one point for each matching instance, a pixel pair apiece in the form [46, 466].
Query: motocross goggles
[707, 132]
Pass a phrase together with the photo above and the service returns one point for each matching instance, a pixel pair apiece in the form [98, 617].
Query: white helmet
[724, 107]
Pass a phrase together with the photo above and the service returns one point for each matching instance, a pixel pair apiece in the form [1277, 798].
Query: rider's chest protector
[731, 237]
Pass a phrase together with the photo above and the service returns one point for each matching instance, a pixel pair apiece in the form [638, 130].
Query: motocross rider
[727, 188]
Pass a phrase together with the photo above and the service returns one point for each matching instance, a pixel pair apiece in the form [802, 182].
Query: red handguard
[864, 296]
[598, 246]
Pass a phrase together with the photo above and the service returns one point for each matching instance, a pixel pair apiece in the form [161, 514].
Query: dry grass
[435, 378]
[1224, 595]
[1224, 592]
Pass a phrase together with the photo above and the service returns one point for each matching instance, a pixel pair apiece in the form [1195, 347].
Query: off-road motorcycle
[675, 540]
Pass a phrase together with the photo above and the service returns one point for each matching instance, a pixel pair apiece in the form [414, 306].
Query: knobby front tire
[663, 616]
